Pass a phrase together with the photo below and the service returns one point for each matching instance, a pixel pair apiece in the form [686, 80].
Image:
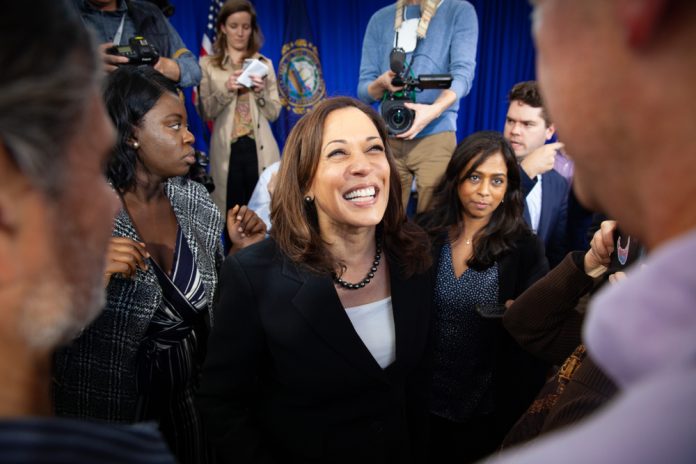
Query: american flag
[210, 32]
[207, 49]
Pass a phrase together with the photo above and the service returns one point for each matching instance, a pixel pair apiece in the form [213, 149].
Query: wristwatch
[261, 101]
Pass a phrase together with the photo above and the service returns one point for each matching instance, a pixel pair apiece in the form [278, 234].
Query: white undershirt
[374, 323]
[534, 204]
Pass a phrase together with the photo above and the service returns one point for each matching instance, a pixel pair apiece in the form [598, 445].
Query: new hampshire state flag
[300, 79]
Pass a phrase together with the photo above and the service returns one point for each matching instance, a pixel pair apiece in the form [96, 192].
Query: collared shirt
[534, 204]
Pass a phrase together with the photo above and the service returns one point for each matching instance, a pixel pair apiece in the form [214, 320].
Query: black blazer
[287, 378]
[517, 376]
[554, 212]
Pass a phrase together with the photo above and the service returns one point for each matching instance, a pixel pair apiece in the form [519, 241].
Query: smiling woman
[140, 359]
[321, 331]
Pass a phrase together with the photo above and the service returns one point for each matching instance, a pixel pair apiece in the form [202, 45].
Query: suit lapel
[317, 301]
[546, 200]
[411, 300]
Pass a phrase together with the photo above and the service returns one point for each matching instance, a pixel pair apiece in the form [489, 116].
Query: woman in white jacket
[242, 143]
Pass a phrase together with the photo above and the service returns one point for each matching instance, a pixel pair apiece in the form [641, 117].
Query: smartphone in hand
[627, 250]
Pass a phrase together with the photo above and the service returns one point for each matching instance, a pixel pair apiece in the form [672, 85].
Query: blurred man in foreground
[618, 79]
[56, 213]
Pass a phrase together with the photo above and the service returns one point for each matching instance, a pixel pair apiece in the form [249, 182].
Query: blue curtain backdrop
[505, 50]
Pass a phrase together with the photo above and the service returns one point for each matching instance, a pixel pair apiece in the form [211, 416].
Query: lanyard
[119, 31]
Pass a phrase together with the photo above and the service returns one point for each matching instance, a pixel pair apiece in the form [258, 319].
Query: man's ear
[640, 19]
[13, 185]
[550, 130]
[10, 177]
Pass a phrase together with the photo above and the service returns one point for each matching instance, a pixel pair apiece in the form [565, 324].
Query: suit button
[261, 147]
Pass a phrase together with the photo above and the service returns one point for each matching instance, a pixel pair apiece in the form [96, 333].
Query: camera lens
[398, 118]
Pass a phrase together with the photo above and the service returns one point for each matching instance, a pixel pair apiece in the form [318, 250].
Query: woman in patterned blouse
[485, 255]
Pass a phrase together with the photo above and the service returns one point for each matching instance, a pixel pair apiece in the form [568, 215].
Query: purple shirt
[564, 166]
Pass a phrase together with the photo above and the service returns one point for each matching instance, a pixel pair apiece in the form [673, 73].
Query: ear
[14, 190]
[133, 142]
[640, 19]
[550, 131]
[9, 178]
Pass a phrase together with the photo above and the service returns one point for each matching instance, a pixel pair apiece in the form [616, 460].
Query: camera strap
[119, 31]
[428, 9]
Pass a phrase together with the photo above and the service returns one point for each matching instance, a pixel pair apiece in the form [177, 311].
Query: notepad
[254, 68]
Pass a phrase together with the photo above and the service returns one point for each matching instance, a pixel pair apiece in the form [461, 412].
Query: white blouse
[374, 323]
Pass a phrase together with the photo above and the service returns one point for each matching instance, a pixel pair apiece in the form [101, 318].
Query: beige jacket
[218, 104]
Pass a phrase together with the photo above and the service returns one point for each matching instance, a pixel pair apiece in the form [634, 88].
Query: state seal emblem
[300, 80]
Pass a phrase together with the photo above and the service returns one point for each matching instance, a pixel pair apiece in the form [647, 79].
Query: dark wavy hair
[295, 224]
[255, 40]
[506, 225]
[129, 94]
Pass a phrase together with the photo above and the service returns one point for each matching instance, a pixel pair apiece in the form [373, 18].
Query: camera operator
[115, 22]
[438, 37]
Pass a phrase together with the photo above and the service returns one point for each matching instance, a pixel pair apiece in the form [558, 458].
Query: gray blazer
[95, 376]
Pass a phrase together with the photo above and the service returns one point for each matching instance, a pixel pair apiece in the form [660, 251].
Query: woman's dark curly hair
[130, 93]
[506, 225]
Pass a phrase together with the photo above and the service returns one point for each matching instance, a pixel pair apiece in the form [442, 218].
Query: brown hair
[255, 40]
[295, 225]
[528, 93]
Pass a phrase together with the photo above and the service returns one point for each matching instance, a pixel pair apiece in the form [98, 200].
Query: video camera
[399, 119]
[198, 171]
[138, 51]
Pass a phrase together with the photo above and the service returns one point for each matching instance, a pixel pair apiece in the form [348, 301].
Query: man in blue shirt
[438, 37]
[115, 22]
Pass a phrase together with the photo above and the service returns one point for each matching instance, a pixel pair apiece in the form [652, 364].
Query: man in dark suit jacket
[528, 128]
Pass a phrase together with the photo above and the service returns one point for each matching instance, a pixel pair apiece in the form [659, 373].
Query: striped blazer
[95, 376]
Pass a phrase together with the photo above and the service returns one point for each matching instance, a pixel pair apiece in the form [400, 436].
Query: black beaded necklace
[370, 274]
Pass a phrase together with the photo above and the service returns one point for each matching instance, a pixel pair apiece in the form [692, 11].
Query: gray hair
[45, 85]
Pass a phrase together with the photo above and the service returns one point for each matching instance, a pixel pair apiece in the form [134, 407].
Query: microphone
[397, 59]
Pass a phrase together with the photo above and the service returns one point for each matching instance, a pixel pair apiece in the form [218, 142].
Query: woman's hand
[258, 84]
[244, 227]
[602, 245]
[124, 256]
[232, 84]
